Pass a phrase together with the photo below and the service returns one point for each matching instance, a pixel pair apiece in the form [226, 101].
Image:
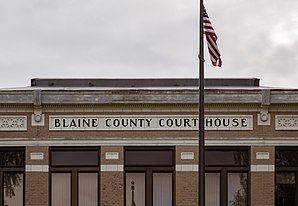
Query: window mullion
[74, 188]
[224, 187]
[1, 188]
[149, 188]
[296, 184]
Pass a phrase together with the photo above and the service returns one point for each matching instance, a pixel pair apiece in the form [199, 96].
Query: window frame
[12, 169]
[286, 169]
[149, 170]
[74, 171]
[224, 170]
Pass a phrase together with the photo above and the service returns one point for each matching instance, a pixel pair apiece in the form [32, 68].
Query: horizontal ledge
[182, 141]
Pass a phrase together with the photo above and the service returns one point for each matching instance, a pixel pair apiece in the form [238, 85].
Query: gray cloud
[139, 38]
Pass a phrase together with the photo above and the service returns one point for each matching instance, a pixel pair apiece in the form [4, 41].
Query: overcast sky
[149, 39]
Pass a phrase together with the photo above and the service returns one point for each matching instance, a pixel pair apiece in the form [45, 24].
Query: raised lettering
[124, 122]
[226, 122]
[160, 122]
[108, 122]
[186, 123]
[73, 123]
[170, 122]
[178, 124]
[86, 122]
[116, 122]
[195, 122]
[208, 122]
[217, 122]
[133, 122]
[243, 123]
[148, 122]
[141, 121]
[64, 123]
[235, 123]
[57, 123]
[94, 123]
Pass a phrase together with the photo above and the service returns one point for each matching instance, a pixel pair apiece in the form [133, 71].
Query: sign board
[148, 122]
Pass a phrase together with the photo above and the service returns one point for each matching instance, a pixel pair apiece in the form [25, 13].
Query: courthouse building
[108, 142]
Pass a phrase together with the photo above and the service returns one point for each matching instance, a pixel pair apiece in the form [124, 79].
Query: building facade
[119, 142]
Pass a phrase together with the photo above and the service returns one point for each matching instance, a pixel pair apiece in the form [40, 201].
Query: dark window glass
[226, 157]
[287, 157]
[285, 189]
[74, 158]
[11, 158]
[149, 158]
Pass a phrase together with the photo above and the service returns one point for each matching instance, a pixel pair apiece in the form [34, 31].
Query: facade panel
[93, 140]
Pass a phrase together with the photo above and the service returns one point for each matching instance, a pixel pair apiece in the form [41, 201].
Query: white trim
[262, 155]
[262, 168]
[282, 141]
[36, 156]
[187, 168]
[37, 168]
[187, 155]
[112, 155]
[111, 168]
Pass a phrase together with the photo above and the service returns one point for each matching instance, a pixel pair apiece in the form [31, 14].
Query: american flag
[211, 40]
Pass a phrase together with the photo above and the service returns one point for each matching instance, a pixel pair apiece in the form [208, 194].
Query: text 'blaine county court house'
[112, 142]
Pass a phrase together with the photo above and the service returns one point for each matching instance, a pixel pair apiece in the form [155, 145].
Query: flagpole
[201, 182]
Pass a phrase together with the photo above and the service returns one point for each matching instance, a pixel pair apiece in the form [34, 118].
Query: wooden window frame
[149, 170]
[12, 169]
[74, 172]
[286, 169]
[224, 170]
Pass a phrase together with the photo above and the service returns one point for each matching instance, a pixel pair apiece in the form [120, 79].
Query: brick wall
[262, 184]
[37, 177]
[112, 182]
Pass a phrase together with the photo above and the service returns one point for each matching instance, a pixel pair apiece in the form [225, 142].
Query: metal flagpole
[201, 182]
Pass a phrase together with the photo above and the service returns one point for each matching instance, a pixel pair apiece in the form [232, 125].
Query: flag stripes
[211, 38]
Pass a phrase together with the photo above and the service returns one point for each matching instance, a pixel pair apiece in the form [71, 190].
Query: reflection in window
[13, 189]
[11, 158]
[237, 189]
[285, 189]
[287, 157]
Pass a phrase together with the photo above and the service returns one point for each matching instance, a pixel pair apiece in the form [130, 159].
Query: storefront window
[12, 167]
[212, 190]
[74, 176]
[226, 176]
[237, 189]
[286, 176]
[149, 176]
[61, 189]
[285, 188]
